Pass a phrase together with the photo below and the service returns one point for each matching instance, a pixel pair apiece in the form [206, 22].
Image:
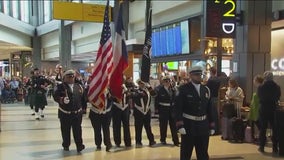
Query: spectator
[269, 94]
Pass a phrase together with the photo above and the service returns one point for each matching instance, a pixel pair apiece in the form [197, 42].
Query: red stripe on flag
[99, 80]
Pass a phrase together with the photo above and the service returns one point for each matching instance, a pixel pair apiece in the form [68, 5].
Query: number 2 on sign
[230, 13]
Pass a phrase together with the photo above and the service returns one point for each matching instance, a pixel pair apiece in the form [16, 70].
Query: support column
[65, 38]
[36, 40]
[253, 43]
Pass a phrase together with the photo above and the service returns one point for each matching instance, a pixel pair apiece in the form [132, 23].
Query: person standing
[213, 84]
[194, 117]
[100, 119]
[165, 105]
[121, 114]
[69, 96]
[254, 107]
[39, 87]
[59, 71]
[142, 112]
[269, 94]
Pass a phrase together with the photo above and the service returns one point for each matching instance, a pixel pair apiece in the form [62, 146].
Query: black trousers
[165, 118]
[199, 142]
[121, 116]
[101, 122]
[264, 120]
[73, 121]
[141, 120]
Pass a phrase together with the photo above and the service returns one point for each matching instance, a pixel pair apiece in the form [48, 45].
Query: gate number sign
[221, 18]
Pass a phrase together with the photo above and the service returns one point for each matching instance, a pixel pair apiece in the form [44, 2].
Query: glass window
[102, 2]
[15, 12]
[25, 10]
[6, 5]
[1, 5]
[47, 11]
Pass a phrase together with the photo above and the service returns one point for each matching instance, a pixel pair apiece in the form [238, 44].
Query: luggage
[226, 128]
[229, 110]
[248, 135]
[238, 126]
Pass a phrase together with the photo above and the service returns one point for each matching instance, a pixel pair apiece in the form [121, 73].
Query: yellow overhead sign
[79, 11]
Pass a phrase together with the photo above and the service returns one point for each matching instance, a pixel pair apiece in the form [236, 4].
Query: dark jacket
[75, 98]
[269, 94]
[142, 99]
[189, 102]
[164, 97]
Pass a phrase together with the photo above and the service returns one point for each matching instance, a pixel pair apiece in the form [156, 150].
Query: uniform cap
[166, 78]
[195, 69]
[69, 72]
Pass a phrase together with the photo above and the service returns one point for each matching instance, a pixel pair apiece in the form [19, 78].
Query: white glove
[212, 131]
[66, 100]
[182, 131]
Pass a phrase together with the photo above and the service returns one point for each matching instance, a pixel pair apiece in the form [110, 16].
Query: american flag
[120, 57]
[99, 80]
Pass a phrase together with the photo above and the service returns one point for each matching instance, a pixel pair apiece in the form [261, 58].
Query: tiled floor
[23, 138]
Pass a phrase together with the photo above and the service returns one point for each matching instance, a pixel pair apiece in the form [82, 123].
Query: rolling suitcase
[248, 135]
[238, 126]
[226, 128]
[228, 112]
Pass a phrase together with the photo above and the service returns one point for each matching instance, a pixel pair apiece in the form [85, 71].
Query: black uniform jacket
[75, 98]
[164, 97]
[189, 102]
[142, 99]
[38, 91]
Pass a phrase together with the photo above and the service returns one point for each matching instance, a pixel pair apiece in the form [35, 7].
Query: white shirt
[71, 87]
[197, 87]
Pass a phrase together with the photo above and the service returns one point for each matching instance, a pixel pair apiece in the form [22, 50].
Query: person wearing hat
[121, 115]
[164, 102]
[39, 87]
[69, 96]
[101, 119]
[194, 119]
[142, 113]
[269, 94]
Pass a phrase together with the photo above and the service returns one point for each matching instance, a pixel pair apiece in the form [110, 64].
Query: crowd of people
[189, 108]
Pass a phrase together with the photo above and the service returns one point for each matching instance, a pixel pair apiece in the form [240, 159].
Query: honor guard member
[121, 114]
[100, 119]
[39, 88]
[142, 112]
[194, 116]
[69, 96]
[164, 102]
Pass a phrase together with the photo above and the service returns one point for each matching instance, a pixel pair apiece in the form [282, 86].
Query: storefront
[277, 57]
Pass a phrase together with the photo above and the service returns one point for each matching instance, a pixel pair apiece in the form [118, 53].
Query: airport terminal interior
[241, 38]
[23, 138]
